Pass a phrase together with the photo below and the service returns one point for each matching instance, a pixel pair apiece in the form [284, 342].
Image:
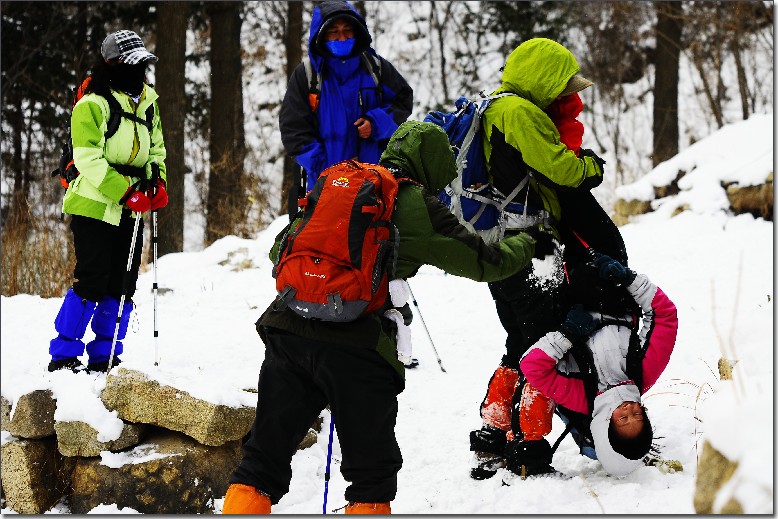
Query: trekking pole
[155, 288]
[432, 343]
[124, 290]
[329, 459]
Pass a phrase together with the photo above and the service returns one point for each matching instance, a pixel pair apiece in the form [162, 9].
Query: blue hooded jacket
[348, 91]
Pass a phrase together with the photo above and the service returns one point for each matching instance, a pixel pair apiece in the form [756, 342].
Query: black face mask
[128, 78]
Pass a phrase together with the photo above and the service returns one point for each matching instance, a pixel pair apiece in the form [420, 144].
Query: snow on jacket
[321, 139]
[96, 191]
[551, 369]
[429, 234]
[520, 138]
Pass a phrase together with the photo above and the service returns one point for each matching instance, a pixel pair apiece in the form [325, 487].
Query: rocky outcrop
[174, 455]
[756, 200]
[140, 400]
[169, 473]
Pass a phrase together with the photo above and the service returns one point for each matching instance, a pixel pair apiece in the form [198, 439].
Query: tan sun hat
[576, 84]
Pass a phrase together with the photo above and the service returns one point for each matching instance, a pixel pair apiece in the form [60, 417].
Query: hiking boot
[245, 499]
[369, 508]
[73, 364]
[102, 367]
[487, 445]
[485, 465]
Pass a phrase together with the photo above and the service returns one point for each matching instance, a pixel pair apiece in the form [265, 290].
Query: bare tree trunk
[668, 51]
[172, 22]
[739, 12]
[294, 54]
[227, 203]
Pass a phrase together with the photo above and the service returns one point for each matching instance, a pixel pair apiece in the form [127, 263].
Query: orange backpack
[334, 263]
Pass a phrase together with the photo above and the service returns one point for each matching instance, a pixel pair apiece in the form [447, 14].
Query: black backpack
[67, 171]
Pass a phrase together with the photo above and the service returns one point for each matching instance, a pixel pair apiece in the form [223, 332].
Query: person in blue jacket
[344, 101]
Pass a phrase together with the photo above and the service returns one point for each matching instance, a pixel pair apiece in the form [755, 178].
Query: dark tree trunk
[227, 203]
[293, 36]
[170, 71]
[668, 49]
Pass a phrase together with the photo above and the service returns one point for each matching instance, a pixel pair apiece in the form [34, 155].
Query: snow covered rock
[138, 399]
[168, 474]
[714, 471]
[80, 439]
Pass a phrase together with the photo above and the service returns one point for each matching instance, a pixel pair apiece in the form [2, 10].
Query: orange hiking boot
[245, 499]
[369, 508]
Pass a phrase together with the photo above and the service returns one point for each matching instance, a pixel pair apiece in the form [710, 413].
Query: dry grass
[37, 256]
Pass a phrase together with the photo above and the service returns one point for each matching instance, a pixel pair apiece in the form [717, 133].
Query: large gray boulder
[139, 400]
[169, 473]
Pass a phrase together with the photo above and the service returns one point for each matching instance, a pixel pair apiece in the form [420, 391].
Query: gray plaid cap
[127, 46]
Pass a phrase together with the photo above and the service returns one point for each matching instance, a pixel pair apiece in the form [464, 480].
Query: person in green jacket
[354, 366]
[524, 151]
[121, 177]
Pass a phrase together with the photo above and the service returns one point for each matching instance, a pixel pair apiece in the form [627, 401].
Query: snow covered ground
[717, 268]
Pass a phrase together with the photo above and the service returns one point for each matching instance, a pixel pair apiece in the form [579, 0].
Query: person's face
[627, 420]
[339, 30]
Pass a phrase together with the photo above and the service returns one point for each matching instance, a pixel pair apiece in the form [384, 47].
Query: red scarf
[563, 113]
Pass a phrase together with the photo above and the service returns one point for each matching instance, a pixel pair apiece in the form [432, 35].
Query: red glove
[563, 113]
[159, 200]
[136, 200]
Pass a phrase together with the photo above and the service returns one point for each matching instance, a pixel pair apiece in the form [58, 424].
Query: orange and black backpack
[67, 171]
[336, 258]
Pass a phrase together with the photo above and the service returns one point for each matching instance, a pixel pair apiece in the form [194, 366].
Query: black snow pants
[298, 378]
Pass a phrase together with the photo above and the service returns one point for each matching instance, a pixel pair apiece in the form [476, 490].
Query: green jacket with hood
[97, 190]
[429, 234]
[520, 139]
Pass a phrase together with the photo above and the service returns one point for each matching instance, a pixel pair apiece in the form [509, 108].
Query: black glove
[528, 457]
[586, 152]
[578, 324]
[611, 270]
[545, 244]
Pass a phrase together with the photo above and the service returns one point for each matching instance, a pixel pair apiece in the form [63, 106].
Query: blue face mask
[339, 48]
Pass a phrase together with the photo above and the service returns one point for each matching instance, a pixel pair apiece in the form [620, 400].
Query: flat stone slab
[139, 400]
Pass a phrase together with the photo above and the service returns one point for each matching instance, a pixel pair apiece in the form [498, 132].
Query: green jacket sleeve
[528, 129]
[430, 234]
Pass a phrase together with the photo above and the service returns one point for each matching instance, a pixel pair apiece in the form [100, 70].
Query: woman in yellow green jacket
[121, 160]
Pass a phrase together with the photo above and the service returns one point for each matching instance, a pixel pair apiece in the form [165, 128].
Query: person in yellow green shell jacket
[550, 181]
[121, 177]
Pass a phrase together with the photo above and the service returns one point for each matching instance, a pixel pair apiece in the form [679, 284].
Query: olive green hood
[538, 70]
[423, 151]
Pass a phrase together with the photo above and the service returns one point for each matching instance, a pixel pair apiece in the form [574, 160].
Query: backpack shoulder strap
[583, 357]
[635, 355]
[373, 66]
[314, 84]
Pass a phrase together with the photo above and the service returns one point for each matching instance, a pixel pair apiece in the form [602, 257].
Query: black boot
[102, 367]
[487, 445]
[73, 364]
